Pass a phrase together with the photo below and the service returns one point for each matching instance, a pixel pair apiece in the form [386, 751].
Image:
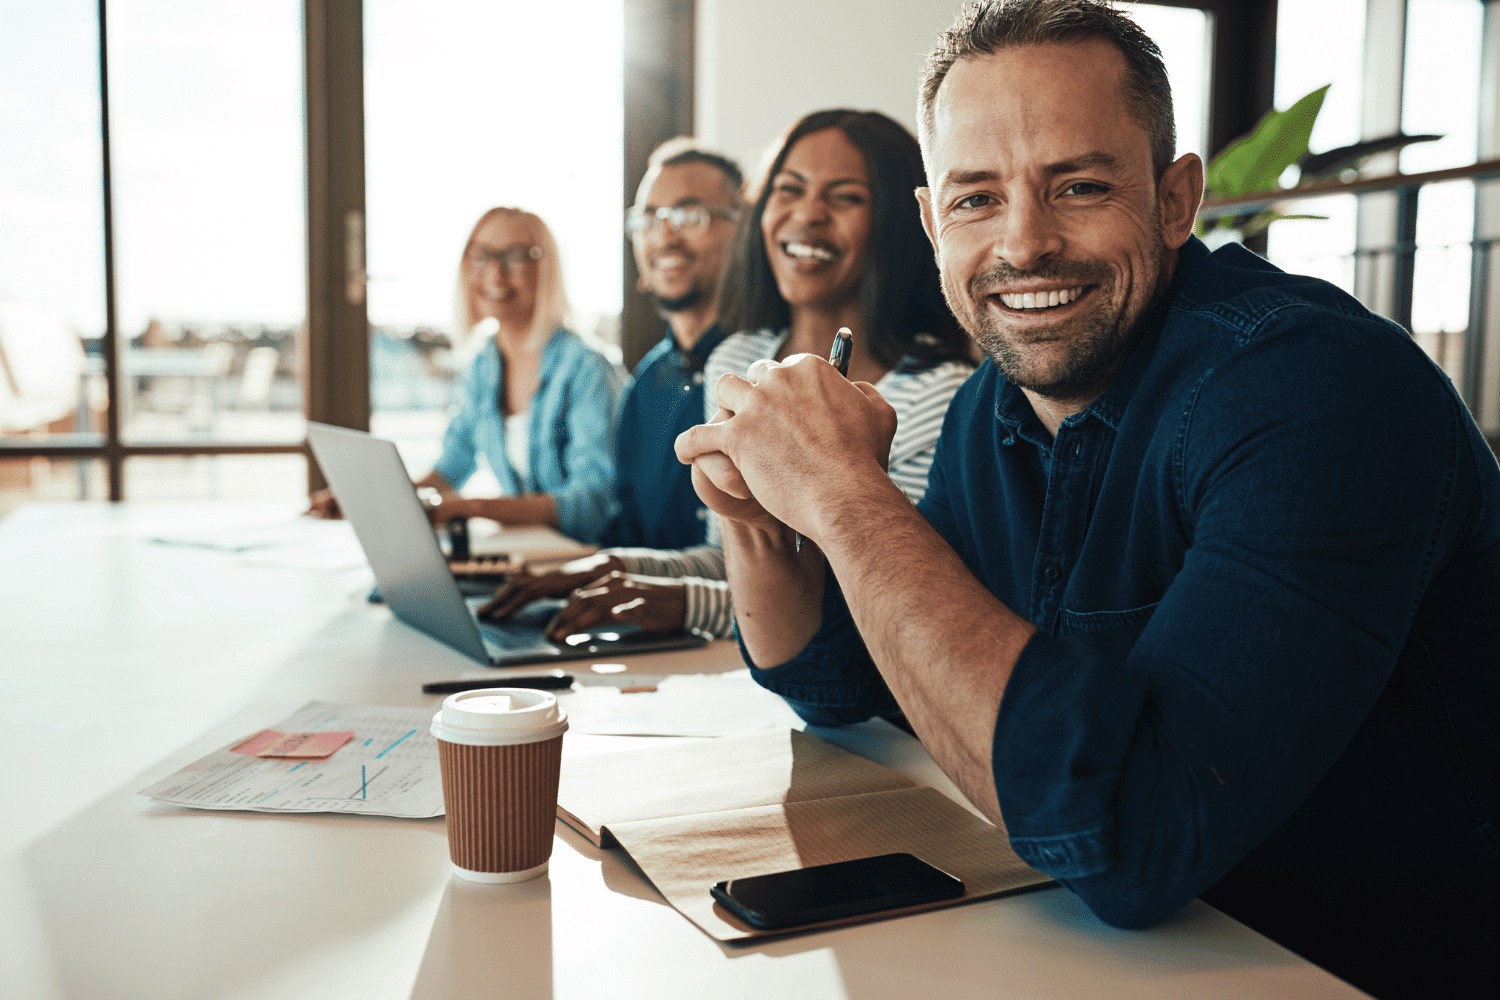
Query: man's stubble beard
[1099, 340]
[682, 303]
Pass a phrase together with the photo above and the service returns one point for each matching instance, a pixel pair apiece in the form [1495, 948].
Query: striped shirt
[920, 399]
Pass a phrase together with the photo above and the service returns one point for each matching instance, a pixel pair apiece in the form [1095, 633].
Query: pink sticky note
[270, 743]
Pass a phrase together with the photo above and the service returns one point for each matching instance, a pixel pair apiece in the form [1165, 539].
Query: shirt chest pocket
[1113, 633]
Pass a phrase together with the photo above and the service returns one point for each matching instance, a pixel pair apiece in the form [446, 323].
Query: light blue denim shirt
[571, 432]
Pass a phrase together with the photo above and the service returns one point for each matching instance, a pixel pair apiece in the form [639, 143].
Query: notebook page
[707, 776]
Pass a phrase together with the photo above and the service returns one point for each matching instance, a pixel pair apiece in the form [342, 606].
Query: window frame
[659, 63]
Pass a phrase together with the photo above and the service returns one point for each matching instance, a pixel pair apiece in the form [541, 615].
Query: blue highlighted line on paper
[395, 744]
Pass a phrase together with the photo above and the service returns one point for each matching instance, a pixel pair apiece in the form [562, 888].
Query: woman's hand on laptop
[325, 505]
[561, 582]
[653, 603]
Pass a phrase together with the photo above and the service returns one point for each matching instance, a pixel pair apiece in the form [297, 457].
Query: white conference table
[122, 660]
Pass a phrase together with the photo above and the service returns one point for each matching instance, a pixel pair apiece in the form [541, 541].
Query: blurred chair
[260, 370]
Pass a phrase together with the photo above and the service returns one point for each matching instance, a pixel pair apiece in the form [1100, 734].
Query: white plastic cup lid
[499, 716]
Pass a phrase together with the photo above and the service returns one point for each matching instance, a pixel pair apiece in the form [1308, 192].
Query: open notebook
[702, 812]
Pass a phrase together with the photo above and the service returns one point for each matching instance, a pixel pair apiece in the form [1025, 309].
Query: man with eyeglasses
[682, 229]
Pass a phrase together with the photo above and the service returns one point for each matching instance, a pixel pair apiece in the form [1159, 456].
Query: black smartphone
[842, 889]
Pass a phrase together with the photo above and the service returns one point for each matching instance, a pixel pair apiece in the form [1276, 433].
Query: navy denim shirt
[1265, 567]
[658, 506]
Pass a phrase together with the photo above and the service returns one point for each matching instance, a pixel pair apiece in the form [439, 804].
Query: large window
[206, 179]
[1321, 44]
[207, 144]
[51, 246]
[1185, 37]
[202, 175]
[470, 104]
[1434, 53]
[1440, 95]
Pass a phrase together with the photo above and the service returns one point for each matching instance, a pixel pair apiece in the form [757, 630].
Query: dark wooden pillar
[659, 54]
[336, 341]
[1244, 83]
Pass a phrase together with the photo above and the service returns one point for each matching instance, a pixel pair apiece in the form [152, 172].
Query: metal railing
[1466, 360]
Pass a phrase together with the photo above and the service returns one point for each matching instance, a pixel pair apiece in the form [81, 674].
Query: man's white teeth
[670, 260]
[1041, 300]
[806, 251]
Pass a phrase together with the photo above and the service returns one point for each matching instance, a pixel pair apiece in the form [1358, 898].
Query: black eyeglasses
[511, 260]
[684, 218]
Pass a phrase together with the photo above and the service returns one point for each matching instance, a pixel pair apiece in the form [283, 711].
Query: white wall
[762, 64]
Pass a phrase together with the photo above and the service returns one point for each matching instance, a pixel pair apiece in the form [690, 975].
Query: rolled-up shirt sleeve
[833, 681]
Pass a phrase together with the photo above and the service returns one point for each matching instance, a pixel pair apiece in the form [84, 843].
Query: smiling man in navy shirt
[682, 229]
[1204, 594]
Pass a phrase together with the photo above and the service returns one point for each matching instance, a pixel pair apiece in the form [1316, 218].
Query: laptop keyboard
[524, 629]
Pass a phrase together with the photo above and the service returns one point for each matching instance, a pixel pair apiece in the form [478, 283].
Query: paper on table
[245, 537]
[684, 856]
[532, 543]
[291, 543]
[389, 769]
[682, 705]
[330, 551]
[736, 772]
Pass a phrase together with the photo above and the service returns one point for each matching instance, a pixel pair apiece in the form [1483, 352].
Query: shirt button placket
[1058, 535]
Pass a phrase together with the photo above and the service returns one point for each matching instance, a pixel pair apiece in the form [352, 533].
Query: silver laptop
[377, 497]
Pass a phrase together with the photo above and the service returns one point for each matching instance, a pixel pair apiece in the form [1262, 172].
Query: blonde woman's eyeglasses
[511, 260]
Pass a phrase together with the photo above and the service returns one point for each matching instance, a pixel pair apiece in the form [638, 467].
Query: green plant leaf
[1324, 166]
[1255, 162]
[1262, 221]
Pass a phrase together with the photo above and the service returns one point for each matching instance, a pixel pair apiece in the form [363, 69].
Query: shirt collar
[551, 357]
[694, 358]
[1013, 409]
[1110, 407]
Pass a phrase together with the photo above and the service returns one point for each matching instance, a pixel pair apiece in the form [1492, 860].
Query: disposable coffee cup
[500, 750]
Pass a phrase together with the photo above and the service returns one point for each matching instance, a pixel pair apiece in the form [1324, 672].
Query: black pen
[547, 683]
[843, 347]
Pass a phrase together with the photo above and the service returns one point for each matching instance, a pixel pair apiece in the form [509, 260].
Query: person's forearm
[777, 591]
[529, 508]
[437, 481]
[944, 645]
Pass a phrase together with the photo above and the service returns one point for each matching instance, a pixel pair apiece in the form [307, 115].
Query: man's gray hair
[986, 26]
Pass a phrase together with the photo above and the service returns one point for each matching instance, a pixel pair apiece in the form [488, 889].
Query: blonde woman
[539, 403]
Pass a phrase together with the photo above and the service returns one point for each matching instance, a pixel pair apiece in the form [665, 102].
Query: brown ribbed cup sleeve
[501, 803]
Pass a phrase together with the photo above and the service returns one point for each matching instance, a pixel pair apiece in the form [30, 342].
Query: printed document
[389, 768]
